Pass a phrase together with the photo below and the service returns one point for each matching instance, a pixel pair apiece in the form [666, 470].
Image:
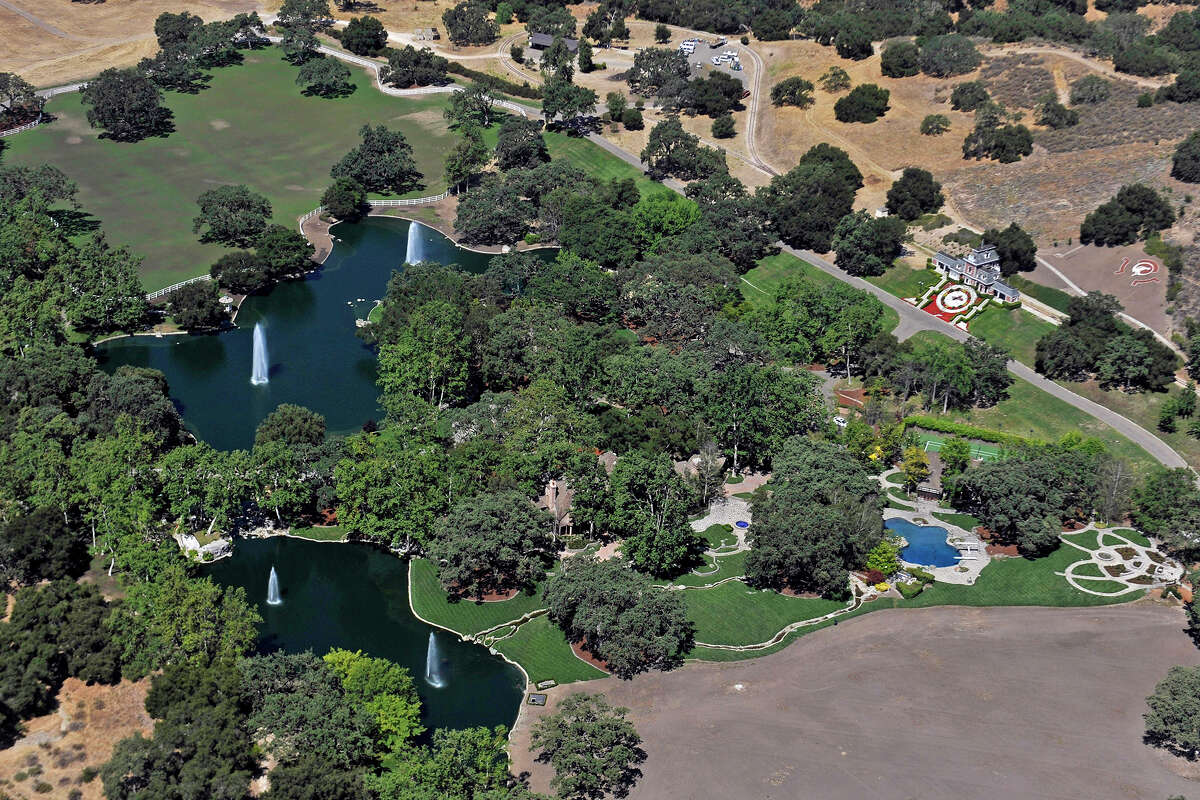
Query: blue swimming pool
[927, 544]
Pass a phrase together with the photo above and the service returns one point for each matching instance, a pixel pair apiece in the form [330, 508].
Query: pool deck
[964, 541]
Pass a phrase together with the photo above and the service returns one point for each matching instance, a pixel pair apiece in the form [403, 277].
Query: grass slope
[1015, 330]
[252, 126]
[760, 283]
[431, 603]
[542, 649]
[904, 281]
[1030, 412]
[733, 613]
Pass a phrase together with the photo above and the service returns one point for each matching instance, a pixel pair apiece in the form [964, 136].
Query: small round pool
[741, 523]
[927, 545]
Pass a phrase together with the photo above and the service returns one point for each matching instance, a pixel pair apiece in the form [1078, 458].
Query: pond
[356, 596]
[315, 358]
[927, 545]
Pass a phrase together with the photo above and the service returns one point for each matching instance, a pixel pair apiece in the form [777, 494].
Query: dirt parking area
[1139, 281]
[945, 703]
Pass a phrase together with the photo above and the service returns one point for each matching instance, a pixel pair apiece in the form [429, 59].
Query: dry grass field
[79, 735]
[68, 41]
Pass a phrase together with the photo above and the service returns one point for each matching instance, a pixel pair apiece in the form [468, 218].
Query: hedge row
[508, 87]
[966, 431]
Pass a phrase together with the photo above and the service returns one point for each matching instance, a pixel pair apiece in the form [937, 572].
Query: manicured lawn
[1143, 408]
[1132, 536]
[542, 649]
[430, 602]
[964, 521]
[899, 494]
[1015, 330]
[772, 271]
[733, 613]
[731, 566]
[251, 126]
[321, 533]
[715, 654]
[904, 281]
[1055, 298]
[1019, 582]
[718, 535]
[1034, 414]
[596, 161]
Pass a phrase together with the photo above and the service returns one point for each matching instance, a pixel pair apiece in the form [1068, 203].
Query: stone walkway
[726, 511]
[1118, 560]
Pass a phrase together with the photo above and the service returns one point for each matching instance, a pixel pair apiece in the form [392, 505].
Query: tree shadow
[73, 222]
[160, 128]
[345, 90]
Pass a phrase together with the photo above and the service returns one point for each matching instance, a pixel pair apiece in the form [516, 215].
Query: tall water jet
[273, 598]
[415, 250]
[433, 664]
[262, 363]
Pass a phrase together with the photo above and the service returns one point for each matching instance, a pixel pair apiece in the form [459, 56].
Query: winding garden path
[1117, 559]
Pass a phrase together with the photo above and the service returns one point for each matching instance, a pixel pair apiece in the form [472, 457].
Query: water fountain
[273, 598]
[414, 253]
[433, 664]
[262, 363]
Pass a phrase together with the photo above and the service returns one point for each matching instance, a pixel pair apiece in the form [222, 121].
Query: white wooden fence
[410, 201]
[152, 296]
[28, 126]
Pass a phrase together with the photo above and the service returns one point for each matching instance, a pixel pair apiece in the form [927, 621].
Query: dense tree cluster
[1185, 163]
[996, 138]
[19, 101]
[1136, 212]
[1093, 342]
[408, 66]
[914, 193]
[865, 103]
[945, 373]
[806, 203]
[1016, 248]
[819, 518]
[468, 23]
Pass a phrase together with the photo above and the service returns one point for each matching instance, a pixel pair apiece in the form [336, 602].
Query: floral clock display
[955, 299]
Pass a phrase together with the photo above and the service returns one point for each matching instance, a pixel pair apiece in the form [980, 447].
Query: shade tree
[325, 77]
[914, 193]
[1015, 247]
[865, 103]
[650, 505]
[234, 215]
[407, 66]
[492, 543]
[806, 203]
[382, 162]
[467, 23]
[867, 245]
[594, 750]
[126, 104]
[619, 615]
[364, 36]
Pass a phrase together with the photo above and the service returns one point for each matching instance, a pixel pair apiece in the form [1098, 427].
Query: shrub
[920, 574]
[935, 125]
[1054, 114]
[969, 96]
[900, 60]
[882, 587]
[873, 576]
[794, 91]
[1090, 89]
[865, 103]
[723, 127]
[966, 431]
[1145, 100]
[835, 79]
[745, 40]
[1185, 163]
[910, 589]
[948, 55]
[631, 118]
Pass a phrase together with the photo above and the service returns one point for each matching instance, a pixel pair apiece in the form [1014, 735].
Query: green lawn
[251, 126]
[964, 521]
[730, 566]
[904, 281]
[1018, 582]
[1055, 298]
[1016, 330]
[1143, 408]
[596, 161]
[718, 535]
[733, 613]
[431, 603]
[321, 533]
[772, 271]
[1032, 413]
[542, 649]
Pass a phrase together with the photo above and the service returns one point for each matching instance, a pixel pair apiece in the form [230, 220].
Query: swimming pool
[927, 546]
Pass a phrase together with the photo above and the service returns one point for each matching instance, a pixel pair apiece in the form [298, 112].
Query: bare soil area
[1139, 281]
[81, 734]
[938, 703]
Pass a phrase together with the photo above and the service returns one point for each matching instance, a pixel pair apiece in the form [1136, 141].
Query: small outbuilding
[542, 41]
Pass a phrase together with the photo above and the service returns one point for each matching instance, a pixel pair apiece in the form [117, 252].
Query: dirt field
[1139, 281]
[90, 720]
[938, 703]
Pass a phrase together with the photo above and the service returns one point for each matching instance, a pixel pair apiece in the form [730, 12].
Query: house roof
[545, 40]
